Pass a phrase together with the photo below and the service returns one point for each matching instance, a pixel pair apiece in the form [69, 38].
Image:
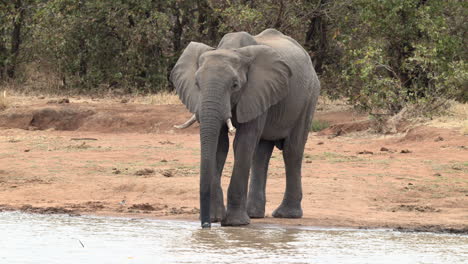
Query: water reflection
[245, 237]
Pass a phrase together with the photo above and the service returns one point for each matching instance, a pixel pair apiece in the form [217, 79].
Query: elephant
[263, 89]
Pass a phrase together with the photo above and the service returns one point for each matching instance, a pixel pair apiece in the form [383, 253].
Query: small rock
[143, 206]
[439, 138]
[63, 101]
[308, 161]
[116, 172]
[366, 152]
[163, 160]
[41, 97]
[405, 151]
[320, 143]
[437, 174]
[144, 172]
[384, 149]
[166, 142]
[124, 101]
[167, 173]
[456, 167]
[27, 150]
[409, 183]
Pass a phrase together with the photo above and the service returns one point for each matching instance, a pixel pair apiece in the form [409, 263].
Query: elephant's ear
[183, 75]
[267, 82]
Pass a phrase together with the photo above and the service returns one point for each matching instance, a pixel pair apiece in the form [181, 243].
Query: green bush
[116, 43]
[400, 52]
[318, 125]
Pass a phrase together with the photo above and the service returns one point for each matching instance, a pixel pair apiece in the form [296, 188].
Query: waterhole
[35, 238]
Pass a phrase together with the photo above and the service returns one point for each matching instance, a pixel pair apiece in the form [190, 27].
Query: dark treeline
[378, 54]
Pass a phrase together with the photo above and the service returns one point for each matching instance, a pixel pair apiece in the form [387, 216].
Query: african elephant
[264, 88]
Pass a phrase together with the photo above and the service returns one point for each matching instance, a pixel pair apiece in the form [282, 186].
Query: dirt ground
[125, 159]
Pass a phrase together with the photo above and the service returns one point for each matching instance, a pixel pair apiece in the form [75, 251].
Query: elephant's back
[291, 51]
[303, 85]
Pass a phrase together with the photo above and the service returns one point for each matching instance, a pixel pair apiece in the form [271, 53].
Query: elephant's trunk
[211, 120]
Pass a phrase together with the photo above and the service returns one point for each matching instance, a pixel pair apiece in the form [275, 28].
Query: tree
[13, 19]
[402, 51]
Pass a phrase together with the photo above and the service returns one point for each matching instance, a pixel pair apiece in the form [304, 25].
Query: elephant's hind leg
[292, 154]
[256, 198]
[291, 205]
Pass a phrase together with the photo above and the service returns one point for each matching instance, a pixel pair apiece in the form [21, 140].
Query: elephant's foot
[256, 209]
[235, 217]
[217, 209]
[217, 213]
[285, 211]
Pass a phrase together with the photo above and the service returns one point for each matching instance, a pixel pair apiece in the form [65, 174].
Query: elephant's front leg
[217, 204]
[256, 198]
[247, 137]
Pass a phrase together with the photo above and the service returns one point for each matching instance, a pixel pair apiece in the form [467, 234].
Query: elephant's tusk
[231, 128]
[187, 123]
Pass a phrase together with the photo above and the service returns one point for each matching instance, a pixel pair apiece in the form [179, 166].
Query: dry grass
[325, 104]
[162, 98]
[455, 117]
[4, 101]
[38, 79]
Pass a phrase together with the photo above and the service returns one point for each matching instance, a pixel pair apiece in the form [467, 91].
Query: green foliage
[318, 125]
[241, 18]
[14, 24]
[381, 55]
[407, 52]
[104, 42]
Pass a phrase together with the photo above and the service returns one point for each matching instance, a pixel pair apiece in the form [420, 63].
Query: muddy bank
[434, 229]
[137, 210]
[108, 118]
[136, 118]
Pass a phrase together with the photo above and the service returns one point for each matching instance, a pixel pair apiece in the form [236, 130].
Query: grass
[318, 125]
[326, 104]
[456, 116]
[451, 168]
[3, 100]
[333, 157]
[161, 98]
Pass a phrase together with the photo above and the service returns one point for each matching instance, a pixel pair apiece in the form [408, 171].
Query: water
[33, 238]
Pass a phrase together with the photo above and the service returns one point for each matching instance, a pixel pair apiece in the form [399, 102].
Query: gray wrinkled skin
[267, 85]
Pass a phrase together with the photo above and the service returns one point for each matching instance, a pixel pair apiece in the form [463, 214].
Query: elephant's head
[214, 83]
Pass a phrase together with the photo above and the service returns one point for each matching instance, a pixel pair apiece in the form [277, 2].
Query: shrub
[318, 125]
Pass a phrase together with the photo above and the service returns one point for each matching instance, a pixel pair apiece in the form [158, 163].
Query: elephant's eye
[235, 85]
